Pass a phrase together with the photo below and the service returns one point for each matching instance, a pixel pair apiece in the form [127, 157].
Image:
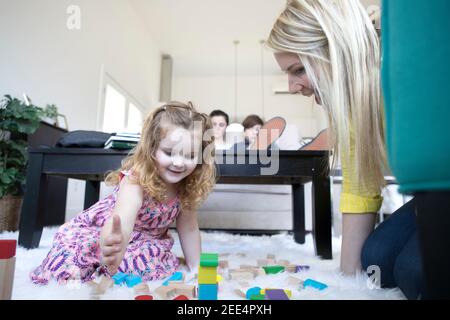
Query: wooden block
[291, 268]
[239, 292]
[246, 266]
[283, 263]
[181, 261]
[7, 267]
[265, 262]
[293, 281]
[141, 289]
[7, 249]
[223, 264]
[184, 289]
[224, 254]
[165, 292]
[273, 269]
[181, 297]
[271, 256]
[241, 275]
[241, 254]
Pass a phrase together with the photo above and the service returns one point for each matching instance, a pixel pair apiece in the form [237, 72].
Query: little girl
[166, 178]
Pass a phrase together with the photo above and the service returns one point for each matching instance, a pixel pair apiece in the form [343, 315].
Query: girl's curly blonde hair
[141, 162]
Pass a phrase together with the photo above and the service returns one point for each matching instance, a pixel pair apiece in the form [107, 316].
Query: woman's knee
[376, 253]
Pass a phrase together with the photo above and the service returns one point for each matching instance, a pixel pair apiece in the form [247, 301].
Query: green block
[209, 260]
[257, 297]
[273, 269]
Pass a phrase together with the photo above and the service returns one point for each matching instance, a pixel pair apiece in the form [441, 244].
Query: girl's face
[252, 133]
[219, 126]
[177, 154]
[298, 80]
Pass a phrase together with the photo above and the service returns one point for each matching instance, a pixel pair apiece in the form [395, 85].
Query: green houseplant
[17, 120]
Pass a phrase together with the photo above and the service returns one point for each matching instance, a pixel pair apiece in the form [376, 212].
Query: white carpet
[254, 247]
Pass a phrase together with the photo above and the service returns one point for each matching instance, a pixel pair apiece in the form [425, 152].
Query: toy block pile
[7, 267]
[207, 276]
[175, 288]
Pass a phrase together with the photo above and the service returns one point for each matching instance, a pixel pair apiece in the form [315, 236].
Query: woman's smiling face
[298, 80]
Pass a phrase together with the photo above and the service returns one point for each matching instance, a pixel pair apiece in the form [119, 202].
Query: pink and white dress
[76, 254]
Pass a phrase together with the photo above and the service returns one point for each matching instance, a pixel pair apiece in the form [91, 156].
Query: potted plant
[50, 114]
[17, 120]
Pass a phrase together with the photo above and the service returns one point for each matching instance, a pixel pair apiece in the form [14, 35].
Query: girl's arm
[189, 234]
[116, 232]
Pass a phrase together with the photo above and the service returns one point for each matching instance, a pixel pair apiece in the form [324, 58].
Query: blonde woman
[330, 49]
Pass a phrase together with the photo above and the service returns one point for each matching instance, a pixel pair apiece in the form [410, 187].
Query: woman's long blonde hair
[339, 47]
[194, 188]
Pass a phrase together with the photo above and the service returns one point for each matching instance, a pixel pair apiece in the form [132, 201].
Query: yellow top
[357, 198]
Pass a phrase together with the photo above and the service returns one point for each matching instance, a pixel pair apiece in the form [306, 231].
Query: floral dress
[76, 254]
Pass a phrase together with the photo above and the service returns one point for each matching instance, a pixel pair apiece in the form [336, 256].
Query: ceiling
[200, 34]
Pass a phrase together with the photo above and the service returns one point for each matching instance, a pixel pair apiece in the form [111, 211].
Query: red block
[181, 297]
[8, 249]
[144, 297]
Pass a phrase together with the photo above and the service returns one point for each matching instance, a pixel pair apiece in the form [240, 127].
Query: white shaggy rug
[241, 249]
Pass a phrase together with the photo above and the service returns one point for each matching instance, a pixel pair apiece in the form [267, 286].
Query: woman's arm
[355, 230]
[116, 232]
[189, 234]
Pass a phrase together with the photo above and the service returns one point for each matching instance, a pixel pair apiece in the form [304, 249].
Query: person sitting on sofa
[220, 122]
[252, 124]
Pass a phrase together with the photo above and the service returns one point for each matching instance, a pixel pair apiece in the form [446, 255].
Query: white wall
[218, 92]
[39, 55]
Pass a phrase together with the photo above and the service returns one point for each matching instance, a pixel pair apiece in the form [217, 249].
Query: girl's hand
[112, 246]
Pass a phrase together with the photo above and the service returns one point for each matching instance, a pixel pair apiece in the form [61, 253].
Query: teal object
[207, 291]
[119, 278]
[314, 284]
[416, 88]
[255, 291]
[132, 280]
[177, 276]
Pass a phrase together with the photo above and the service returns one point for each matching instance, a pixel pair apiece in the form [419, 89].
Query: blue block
[132, 280]
[177, 276]
[315, 284]
[207, 291]
[119, 277]
[252, 291]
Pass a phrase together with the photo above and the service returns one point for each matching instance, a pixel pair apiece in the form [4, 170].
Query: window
[121, 112]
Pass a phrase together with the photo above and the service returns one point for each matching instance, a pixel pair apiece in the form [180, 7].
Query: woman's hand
[112, 246]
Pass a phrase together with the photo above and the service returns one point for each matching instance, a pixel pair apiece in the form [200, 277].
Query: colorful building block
[132, 280]
[287, 291]
[177, 276]
[207, 275]
[7, 267]
[273, 269]
[258, 297]
[141, 289]
[207, 291]
[209, 260]
[302, 268]
[119, 278]
[252, 291]
[144, 297]
[181, 297]
[276, 294]
[314, 284]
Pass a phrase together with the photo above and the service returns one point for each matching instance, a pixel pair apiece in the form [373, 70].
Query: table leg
[91, 193]
[298, 213]
[321, 207]
[33, 215]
